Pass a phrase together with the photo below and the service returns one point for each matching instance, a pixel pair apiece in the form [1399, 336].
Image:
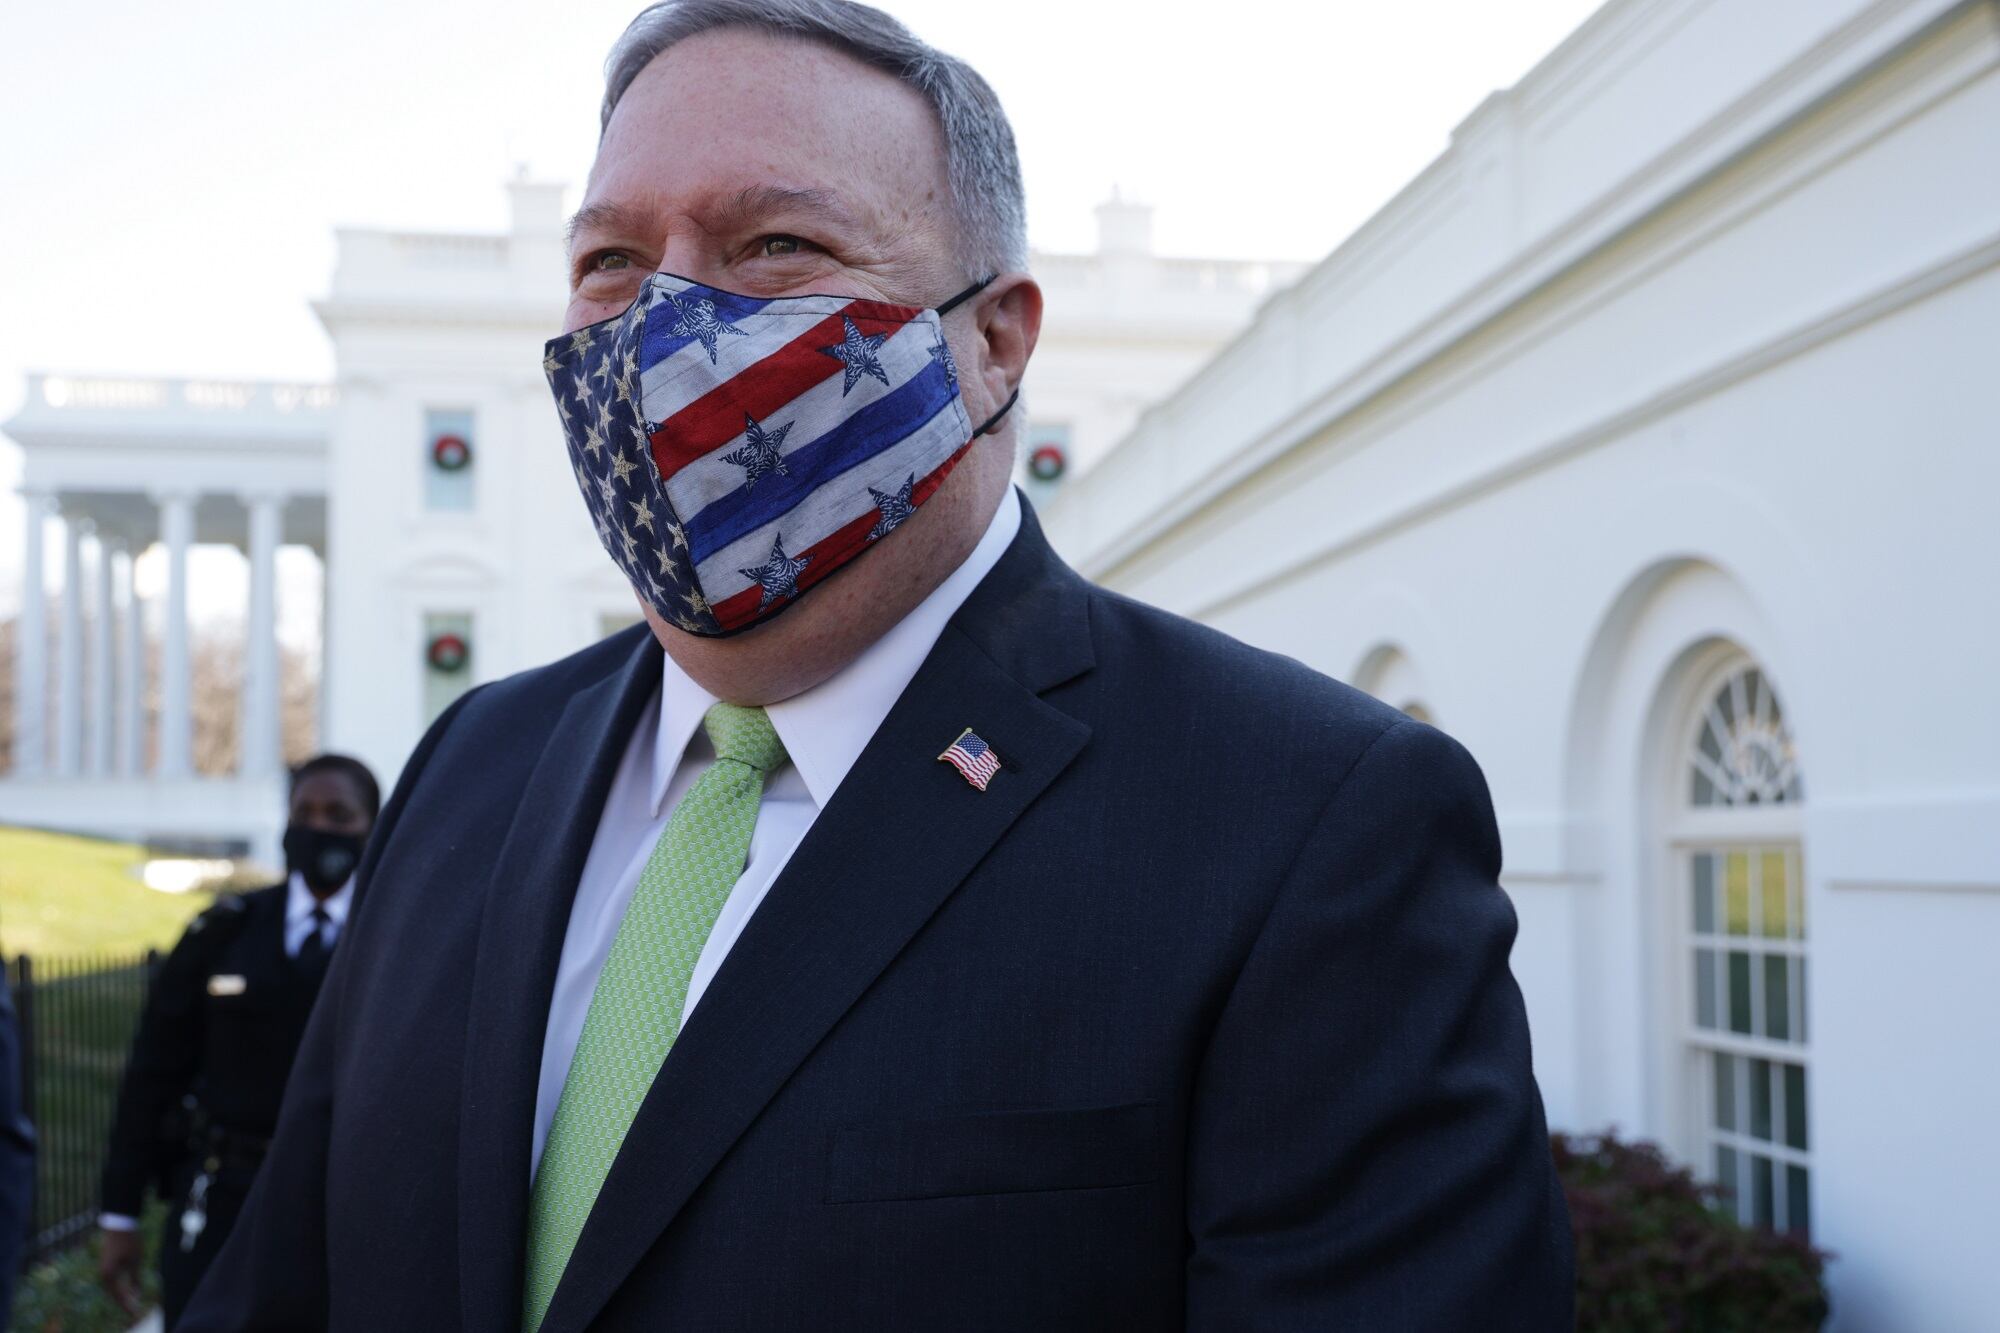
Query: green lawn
[67, 895]
[77, 907]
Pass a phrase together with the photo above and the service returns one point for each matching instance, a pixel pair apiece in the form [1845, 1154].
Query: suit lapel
[520, 944]
[900, 834]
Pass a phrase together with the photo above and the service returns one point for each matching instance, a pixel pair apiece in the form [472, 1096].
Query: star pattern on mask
[759, 455]
[611, 460]
[858, 355]
[778, 576]
[700, 320]
[892, 507]
[941, 353]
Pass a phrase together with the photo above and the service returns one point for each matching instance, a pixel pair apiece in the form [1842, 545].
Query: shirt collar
[826, 728]
[299, 901]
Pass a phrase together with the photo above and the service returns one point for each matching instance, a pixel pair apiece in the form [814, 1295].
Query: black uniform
[201, 1092]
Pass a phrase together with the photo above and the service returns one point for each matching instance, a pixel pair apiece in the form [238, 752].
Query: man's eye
[607, 260]
[782, 245]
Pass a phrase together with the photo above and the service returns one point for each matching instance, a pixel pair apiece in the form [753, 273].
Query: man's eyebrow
[758, 199]
[749, 202]
[605, 216]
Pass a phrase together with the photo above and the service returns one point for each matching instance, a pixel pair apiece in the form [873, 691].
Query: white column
[132, 683]
[258, 755]
[104, 619]
[176, 727]
[69, 656]
[31, 650]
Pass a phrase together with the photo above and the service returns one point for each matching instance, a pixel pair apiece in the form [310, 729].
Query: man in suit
[942, 944]
[221, 1028]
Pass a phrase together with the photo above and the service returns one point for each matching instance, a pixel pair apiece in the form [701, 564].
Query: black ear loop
[945, 309]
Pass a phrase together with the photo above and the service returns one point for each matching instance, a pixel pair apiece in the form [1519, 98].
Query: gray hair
[981, 165]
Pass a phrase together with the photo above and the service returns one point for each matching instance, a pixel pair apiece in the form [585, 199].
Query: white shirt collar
[826, 728]
[299, 903]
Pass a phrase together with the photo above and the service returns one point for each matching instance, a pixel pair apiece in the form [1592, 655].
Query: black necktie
[313, 949]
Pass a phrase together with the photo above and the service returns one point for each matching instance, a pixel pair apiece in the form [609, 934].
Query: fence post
[24, 1013]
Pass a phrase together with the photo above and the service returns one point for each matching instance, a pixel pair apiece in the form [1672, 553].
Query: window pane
[1760, 1190]
[1725, 1174]
[1739, 993]
[1725, 1090]
[1771, 881]
[1798, 897]
[1799, 1005]
[1798, 1202]
[1760, 1099]
[1795, 1106]
[1738, 889]
[445, 430]
[1704, 988]
[449, 646]
[1704, 893]
[1777, 997]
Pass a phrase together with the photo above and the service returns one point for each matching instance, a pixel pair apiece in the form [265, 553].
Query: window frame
[1688, 831]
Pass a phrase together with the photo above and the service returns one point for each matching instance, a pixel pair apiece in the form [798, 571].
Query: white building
[1649, 442]
[435, 578]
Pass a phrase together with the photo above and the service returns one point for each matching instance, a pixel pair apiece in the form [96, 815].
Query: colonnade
[102, 734]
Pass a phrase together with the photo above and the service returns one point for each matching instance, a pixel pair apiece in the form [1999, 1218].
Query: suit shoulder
[553, 683]
[227, 910]
[1207, 674]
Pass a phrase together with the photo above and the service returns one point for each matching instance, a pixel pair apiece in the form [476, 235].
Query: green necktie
[635, 1012]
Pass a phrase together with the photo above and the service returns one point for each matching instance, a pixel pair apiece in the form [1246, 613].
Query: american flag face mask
[735, 452]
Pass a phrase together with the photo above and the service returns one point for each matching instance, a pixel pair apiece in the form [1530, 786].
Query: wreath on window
[447, 653]
[450, 453]
[1047, 462]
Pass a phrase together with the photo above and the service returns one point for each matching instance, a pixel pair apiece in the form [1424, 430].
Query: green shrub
[62, 1295]
[1655, 1254]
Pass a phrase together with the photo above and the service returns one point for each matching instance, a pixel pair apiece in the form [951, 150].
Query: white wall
[1758, 411]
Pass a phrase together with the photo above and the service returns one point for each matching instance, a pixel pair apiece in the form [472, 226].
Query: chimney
[535, 235]
[534, 208]
[1124, 227]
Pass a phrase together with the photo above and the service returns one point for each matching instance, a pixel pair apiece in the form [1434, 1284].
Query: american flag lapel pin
[973, 758]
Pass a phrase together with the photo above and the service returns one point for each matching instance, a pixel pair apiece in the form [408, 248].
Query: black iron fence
[77, 1016]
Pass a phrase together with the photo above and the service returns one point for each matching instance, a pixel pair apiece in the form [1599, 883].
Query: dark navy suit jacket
[17, 1154]
[1200, 1016]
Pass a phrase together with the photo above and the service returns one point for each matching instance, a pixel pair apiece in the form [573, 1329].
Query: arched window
[1388, 673]
[1734, 834]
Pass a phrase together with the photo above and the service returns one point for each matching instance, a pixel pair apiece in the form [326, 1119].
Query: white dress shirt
[824, 731]
[299, 904]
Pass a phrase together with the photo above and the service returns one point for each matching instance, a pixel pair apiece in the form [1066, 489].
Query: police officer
[221, 1026]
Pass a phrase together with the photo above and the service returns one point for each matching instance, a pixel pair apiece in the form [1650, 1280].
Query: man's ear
[1009, 321]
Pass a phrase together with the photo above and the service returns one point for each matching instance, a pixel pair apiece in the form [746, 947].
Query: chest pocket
[997, 1152]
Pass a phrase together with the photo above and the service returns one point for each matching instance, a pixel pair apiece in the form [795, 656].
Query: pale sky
[184, 165]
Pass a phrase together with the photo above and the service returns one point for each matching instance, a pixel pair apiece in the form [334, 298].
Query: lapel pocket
[996, 1152]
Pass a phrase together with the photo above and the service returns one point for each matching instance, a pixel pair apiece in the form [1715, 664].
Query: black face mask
[324, 859]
